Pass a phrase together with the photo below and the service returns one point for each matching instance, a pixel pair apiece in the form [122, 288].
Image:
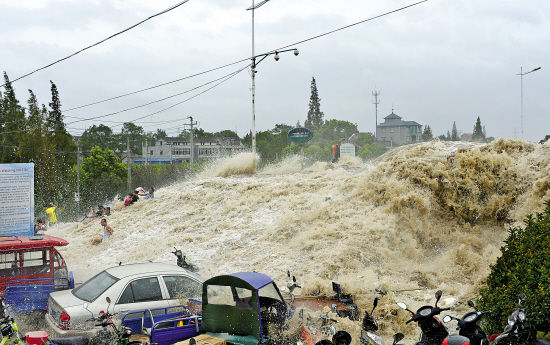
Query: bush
[523, 268]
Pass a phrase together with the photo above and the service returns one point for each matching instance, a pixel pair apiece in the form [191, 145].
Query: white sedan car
[130, 287]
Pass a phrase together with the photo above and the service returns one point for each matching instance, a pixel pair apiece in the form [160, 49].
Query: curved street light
[521, 74]
[253, 72]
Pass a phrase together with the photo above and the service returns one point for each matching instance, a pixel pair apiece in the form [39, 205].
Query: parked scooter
[370, 326]
[110, 334]
[468, 326]
[311, 333]
[181, 261]
[433, 331]
[516, 331]
[8, 327]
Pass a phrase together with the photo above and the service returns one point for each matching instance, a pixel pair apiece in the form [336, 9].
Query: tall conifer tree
[314, 115]
[478, 131]
[454, 132]
[13, 124]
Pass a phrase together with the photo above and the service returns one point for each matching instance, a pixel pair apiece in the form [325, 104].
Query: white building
[177, 150]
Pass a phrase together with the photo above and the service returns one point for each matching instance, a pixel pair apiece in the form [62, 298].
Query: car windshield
[94, 287]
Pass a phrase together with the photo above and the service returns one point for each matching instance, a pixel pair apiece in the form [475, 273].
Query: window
[9, 265]
[161, 152]
[151, 152]
[218, 294]
[57, 260]
[270, 291]
[94, 287]
[182, 287]
[161, 144]
[141, 290]
[36, 262]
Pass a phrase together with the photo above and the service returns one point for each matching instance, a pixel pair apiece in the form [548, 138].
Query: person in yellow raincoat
[50, 211]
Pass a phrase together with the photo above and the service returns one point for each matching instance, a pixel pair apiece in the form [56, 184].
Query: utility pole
[191, 143]
[128, 163]
[170, 146]
[376, 102]
[78, 175]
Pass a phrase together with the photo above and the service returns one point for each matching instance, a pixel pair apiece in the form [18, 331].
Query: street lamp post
[521, 74]
[253, 70]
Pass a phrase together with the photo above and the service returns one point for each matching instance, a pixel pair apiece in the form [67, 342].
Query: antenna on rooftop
[376, 102]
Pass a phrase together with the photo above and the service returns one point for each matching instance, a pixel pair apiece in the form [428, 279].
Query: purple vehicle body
[164, 326]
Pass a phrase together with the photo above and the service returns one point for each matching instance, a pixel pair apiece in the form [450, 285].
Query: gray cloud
[436, 63]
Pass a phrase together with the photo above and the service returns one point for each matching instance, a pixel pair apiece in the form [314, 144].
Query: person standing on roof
[50, 211]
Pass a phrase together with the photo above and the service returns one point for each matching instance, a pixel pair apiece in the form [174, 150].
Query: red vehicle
[30, 268]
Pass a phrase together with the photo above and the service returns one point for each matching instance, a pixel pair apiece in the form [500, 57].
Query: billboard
[347, 149]
[17, 199]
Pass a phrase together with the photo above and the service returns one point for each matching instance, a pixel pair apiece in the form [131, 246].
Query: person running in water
[107, 232]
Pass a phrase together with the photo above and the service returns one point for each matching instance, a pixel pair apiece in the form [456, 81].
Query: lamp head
[276, 57]
[296, 52]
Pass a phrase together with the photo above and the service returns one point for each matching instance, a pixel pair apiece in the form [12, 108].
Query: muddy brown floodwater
[420, 218]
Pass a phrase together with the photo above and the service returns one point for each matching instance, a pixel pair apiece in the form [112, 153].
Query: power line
[156, 86]
[248, 58]
[152, 102]
[98, 43]
[227, 77]
[349, 25]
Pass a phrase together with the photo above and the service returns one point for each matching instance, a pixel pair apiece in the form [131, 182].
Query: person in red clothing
[335, 152]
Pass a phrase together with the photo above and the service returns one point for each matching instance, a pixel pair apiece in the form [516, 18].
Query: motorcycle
[181, 261]
[433, 331]
[8, 326]
[468, 326]
[516, 331]
[312, 334]
[110, 334]
[370, 326]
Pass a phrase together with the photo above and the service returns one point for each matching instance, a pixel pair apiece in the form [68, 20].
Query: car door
[141, 294]
[181, 287]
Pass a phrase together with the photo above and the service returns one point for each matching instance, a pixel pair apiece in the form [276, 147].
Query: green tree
[226, 133]
[135, 135]
[427, 134]
[100, 135]
[478, 132]
[13, 124]
[371, 151]
[160, 134]
[314, 115]
[448, 136]
[454, 133]
[523, 268]
[103, 175]
[59, 138]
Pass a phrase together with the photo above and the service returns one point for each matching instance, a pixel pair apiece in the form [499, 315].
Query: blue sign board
[17, 199]
[300, 134]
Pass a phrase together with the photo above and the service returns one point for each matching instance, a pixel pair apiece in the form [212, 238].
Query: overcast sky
[435, 63]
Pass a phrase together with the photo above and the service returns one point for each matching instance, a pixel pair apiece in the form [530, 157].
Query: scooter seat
[70, 341]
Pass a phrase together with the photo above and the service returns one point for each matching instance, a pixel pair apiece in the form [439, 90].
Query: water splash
[422, 217]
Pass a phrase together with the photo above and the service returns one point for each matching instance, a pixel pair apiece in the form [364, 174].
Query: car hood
[65, 299]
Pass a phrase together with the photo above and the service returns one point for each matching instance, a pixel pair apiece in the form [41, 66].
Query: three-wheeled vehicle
[31, 268]
[242, 308]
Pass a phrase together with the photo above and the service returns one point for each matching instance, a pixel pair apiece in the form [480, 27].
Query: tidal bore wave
[420, 218]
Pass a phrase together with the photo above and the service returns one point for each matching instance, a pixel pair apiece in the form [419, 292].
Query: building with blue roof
[395, 132]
